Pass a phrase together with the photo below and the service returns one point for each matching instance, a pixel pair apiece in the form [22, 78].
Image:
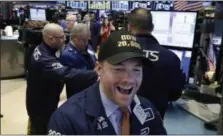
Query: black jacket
[164, 81]
[46, 78]
[220, 127]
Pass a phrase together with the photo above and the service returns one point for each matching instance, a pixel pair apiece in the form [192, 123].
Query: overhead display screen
[77, 4]
[140, 4]
[177, 30]
[99, 5]
[120, 5]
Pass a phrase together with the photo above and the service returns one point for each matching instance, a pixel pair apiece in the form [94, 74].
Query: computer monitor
[176, 29]
[185, 58]
[37, 14]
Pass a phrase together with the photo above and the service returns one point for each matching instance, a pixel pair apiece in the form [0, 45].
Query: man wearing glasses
[78, 54]
[46, 78]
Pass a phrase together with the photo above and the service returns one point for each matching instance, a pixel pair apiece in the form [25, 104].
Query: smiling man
[111, 106]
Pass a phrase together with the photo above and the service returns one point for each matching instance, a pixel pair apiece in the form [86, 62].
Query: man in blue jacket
[45, 79]
[78, 54]
[164, 81]
[111, 106]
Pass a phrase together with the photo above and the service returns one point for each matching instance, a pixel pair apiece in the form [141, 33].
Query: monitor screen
[177, 30]
[120, 5]
[185, 58]
[140, 4]
[77, 4]
[99, 5]
[37, 14]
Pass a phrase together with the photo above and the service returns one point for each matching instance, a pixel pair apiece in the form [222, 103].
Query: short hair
[71, 17]
[50, 28]
[141, 19]
[79, 29]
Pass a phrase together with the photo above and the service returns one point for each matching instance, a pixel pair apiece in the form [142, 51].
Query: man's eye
[119, 69]
[137, 69]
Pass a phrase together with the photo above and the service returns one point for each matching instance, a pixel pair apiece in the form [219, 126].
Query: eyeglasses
[70, 20]
[59, 37]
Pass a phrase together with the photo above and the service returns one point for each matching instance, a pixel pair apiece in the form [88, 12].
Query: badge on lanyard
[102, 123]
[138, 110]
[140, 113]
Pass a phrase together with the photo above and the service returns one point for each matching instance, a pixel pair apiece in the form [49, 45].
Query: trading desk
[179, 121]
[12, 57]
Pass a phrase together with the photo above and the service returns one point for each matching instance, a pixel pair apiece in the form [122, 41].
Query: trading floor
[177, 121]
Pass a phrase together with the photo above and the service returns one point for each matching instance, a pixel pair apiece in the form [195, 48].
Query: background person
[45, 79]
[78, 54]
[106, 29]
[94, 28]
[164, 81]
[71, 21]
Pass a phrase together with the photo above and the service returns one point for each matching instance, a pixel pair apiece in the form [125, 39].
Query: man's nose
[127, 77]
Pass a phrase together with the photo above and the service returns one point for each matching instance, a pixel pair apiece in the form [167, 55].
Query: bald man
[46, 78]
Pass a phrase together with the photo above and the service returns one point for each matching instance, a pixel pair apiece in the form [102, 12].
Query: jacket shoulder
[66, 120]
[68, 53]
[73, 104]
[146, 103]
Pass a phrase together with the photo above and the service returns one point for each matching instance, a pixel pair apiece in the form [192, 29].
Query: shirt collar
[72, 43]
[110, 107]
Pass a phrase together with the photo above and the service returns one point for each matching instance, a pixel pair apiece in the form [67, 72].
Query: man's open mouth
[124, 90]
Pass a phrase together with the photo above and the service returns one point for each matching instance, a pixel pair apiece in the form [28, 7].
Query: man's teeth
[124, 91]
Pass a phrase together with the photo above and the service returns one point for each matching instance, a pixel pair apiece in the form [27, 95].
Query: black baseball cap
[121, 46]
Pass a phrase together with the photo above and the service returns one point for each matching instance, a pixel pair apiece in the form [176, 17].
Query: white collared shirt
[112, 111]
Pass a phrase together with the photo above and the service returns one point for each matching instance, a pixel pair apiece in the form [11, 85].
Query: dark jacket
[73, 58]
[164, 81]
[46, 79]
[95, 34]
[81, 115]
[220, 127]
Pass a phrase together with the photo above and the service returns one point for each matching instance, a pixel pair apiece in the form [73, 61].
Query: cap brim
[118, 58]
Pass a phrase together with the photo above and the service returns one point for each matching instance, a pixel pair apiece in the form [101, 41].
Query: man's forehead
[134, 61]
[58, 32]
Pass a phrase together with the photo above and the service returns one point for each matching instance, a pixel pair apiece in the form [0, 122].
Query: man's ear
[98, 68]
[152, 28]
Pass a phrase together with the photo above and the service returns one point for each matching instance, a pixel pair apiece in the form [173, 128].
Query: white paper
[215, 108]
